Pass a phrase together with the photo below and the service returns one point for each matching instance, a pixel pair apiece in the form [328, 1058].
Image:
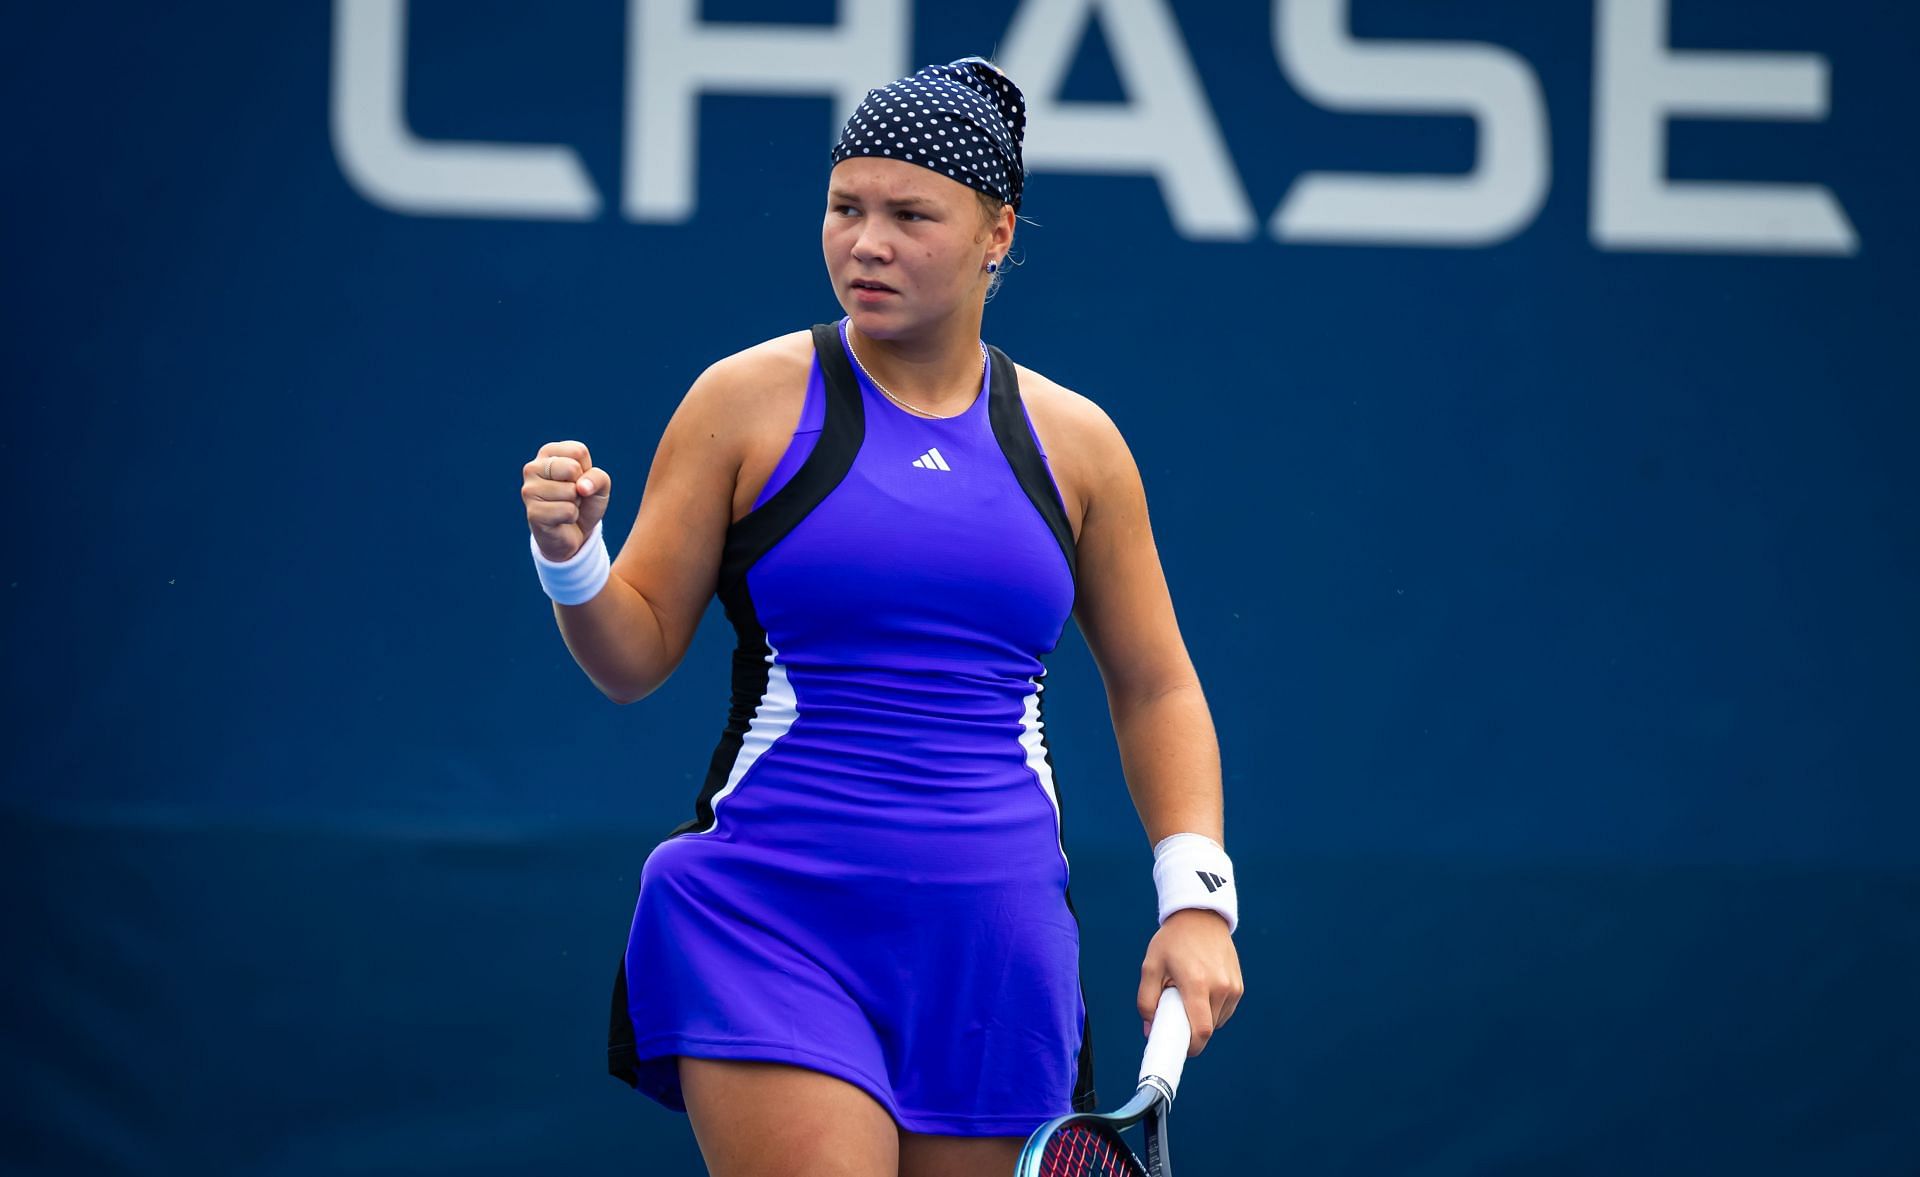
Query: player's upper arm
[1122, 603]
[672, 554]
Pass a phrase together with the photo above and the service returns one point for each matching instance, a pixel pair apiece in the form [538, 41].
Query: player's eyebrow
[841, 194]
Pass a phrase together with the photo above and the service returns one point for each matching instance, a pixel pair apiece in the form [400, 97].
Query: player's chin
[880, 321]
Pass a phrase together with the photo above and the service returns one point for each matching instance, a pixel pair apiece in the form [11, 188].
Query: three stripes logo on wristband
[1193, 870]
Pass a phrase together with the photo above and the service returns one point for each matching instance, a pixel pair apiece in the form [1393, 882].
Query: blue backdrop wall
[1539, 509]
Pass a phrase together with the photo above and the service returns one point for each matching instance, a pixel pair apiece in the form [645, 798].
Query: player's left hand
[1194, 951]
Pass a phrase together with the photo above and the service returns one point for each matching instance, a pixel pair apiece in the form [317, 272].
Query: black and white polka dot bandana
[964, 119]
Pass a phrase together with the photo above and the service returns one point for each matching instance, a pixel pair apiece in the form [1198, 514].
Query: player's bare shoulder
[1083, 445]
[740, 407]
[741, 413]
[745, 390]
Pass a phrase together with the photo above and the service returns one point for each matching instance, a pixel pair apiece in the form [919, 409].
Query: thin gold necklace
[903, 404]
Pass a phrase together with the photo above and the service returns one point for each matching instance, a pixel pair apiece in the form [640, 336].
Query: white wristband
[578, 578]
[1193, 870]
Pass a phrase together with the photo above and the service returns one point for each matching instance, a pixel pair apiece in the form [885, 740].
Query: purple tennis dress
[873, 884]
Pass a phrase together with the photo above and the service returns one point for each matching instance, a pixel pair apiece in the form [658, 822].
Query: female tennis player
[859, 956]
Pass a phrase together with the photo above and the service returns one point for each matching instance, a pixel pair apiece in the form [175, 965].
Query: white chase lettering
[1495, 87]
[1162, 128]
[1639, 83]
[673, 57]
[394, 168]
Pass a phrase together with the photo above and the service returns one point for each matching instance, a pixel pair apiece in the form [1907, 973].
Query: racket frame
[1149, 1104]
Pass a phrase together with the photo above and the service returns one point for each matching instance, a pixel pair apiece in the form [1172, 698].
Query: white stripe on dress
[773, 717]
[1033, 741]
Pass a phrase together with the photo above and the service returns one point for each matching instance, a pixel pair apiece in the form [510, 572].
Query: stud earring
[992, 266]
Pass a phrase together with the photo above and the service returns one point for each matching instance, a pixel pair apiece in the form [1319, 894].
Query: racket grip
[1166, 1053]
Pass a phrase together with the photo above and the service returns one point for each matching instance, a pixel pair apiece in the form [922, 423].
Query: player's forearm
[619, 640]
[1171, 758]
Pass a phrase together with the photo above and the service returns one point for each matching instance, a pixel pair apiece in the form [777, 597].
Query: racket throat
[1158, 1162]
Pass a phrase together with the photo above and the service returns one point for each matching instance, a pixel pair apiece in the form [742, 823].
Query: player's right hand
[566, 494]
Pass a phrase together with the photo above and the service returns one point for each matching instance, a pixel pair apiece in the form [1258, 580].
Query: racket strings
[1076, 1151]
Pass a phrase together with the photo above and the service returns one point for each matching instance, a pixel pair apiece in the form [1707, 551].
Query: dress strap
[1017, 441]
[840, 436]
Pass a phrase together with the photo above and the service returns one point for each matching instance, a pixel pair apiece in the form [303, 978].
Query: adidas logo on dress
[931, 460]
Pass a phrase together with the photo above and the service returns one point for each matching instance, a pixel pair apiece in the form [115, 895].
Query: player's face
[904, 245]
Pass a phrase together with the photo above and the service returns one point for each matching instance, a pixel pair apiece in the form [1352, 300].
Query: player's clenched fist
[566, 494]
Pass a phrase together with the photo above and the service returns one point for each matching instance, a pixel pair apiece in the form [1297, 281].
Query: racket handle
[1166, 1054]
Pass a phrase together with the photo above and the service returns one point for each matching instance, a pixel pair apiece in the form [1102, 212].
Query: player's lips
[867, 290]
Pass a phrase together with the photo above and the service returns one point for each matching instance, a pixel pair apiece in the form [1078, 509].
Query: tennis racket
[1089, 1144]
